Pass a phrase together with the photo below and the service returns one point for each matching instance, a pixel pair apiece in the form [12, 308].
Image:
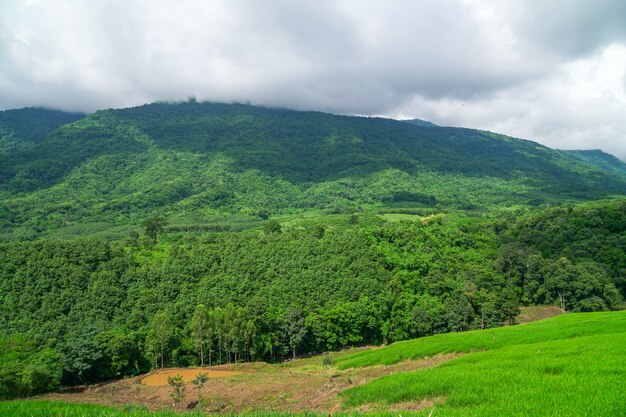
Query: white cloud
[581, 105]
[547, 71]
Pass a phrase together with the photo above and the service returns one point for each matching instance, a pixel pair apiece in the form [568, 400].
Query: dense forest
[86, 310]
[207, 165]
[203, 233]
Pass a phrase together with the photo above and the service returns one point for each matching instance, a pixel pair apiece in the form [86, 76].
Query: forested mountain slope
[195, 162]
[23, 128]
[600, 159]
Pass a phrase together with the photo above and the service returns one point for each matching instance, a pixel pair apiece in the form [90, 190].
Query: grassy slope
[568, 365]
[557, 328]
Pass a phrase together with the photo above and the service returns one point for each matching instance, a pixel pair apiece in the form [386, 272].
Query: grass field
[572, 365]
[557, 328]
[60, 409]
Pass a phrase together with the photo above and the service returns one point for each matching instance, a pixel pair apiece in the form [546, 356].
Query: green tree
[272, 227]
[293, 328]
[154, 227]
[198, 383]
[199, 328]
[121, 350]
[159, 336]
[178, 388]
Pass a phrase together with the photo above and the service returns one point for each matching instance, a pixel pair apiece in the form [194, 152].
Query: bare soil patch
[159, 378]
[534, 313]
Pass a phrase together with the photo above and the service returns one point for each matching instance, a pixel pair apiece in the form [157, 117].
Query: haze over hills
[197, 160]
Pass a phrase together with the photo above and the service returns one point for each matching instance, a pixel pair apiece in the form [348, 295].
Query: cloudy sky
[553, 71]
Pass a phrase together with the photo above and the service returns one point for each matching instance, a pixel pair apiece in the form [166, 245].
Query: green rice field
[571, 365]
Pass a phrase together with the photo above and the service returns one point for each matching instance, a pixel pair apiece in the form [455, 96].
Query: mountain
[600, 159]
[196, 162]
[420, 122]
[23, 128]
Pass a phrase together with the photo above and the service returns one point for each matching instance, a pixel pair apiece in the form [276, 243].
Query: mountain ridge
[600, 159]
[214, 159]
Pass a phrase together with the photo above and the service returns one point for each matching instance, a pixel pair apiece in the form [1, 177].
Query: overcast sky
[553, 71]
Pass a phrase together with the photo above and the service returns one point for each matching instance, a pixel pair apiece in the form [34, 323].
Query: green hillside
[195, 162]
[600, 159]
[567, 365]
[22, 129]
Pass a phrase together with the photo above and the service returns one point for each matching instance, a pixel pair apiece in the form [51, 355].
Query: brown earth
[159, 378]
[299, 385]
[534, 313]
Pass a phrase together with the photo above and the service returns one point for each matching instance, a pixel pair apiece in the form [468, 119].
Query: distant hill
[22, 128]
[601, 160]
[193, 161]
[420, 122]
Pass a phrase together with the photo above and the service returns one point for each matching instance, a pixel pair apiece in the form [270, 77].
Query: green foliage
[159, 337]
[577, 253]
[201, 330]
[178, 388]
[200, 380]
[198, 383]
[293, 328]
[600, 159]
[22, 129]
[231, 297]
[153, 227]
[26, 368]
[272, 227]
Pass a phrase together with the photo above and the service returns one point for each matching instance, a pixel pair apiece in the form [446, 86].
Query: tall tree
[198, 328]
[293, 328]
[159, 336]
